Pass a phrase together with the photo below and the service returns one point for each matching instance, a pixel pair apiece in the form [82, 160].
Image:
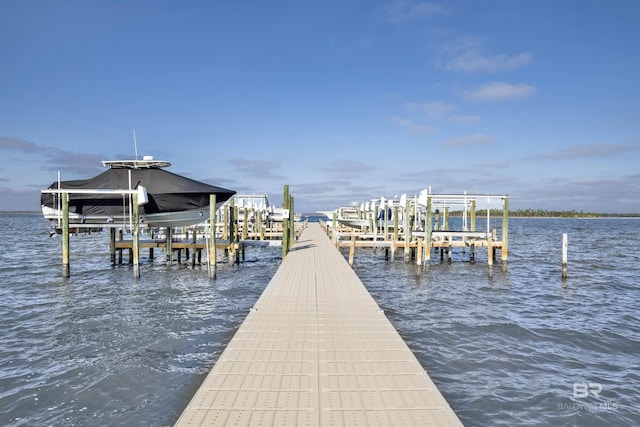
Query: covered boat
[167, 199]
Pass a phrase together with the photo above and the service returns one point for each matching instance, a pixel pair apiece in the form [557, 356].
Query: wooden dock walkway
[316, 350]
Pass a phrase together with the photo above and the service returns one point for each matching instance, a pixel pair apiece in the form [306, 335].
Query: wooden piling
[232, 231]
[169, 234]
[136, 236]
[565, 245]
[352, 249]
[427, 236]
[120, 238]
[66, 270]
[194, 240]
[490, 251]
[292, 222]
[285, 223]
[112, 245]
[395, 223]
[472, 220]
[446, 218]
[245, 224]
[212, 236]
[505, 232]
[407, 231]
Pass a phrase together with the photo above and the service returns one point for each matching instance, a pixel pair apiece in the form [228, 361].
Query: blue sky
[342, 100]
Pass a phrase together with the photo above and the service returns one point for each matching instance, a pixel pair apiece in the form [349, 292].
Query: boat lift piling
[211, 242]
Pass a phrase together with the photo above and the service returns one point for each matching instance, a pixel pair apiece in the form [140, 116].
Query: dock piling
[136, 236]
[66, 271]
[505, 232]
[212, 237]
[565, 245]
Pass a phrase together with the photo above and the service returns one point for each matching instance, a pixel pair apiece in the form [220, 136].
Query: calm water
[515, 348]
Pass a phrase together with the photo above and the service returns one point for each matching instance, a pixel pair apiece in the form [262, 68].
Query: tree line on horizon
[545, 213]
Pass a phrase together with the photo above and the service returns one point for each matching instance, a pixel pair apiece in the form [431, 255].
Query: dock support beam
[285, 223]
[136, 236]
[212, 236]
[112, 245]
[505, 232]
[66, 271]
[169, 235]
[565, 244]
[427, 236]
[490, 253]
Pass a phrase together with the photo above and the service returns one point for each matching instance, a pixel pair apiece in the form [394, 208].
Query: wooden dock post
[245, 223]
[120, 238]
[233, 231]
[427, 236]
[565, 245]
[505, 232]
[386, 222]
[66, 271]
[212, 236]
[395, 223]
[490, 253]
[472, 221]
[112, 245]
[136, 236]
[292, 222]
[285, 223]
[226, 221]
[446, 218]
[352, 249]
[194, 241]
[472, 228]
[407, 231]
[261, 226]
[169, 234]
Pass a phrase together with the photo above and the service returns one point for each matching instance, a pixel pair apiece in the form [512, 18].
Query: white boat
[165, 199]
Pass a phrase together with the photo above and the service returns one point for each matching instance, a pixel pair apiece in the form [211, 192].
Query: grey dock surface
[316, 350]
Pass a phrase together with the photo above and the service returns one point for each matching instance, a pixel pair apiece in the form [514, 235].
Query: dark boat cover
[167, 192]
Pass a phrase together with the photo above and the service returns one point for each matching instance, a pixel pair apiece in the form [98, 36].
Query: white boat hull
[164, 219]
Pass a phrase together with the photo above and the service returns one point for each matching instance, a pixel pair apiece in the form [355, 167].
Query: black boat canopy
[167, 192]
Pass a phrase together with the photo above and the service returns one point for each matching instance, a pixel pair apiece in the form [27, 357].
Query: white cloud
[411, 126]
[464, 119]
[581, 151]
[477, 139]
[402, 11]
[466, 54]
[261, 169]
[499, 91]
[18, 144]
[431, 110]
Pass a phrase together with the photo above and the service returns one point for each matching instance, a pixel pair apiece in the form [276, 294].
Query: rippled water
[509, 348]
[517, 348]
[102, 348]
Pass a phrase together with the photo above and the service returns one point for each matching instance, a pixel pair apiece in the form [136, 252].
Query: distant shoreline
[20, 212]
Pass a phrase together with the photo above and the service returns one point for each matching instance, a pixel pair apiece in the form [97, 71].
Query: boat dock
[417, 229]
[316, 350]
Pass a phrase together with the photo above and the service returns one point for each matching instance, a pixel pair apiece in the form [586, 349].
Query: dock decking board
[316, 350]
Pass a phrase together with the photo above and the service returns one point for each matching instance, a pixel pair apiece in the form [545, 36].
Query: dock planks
[316, 350]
